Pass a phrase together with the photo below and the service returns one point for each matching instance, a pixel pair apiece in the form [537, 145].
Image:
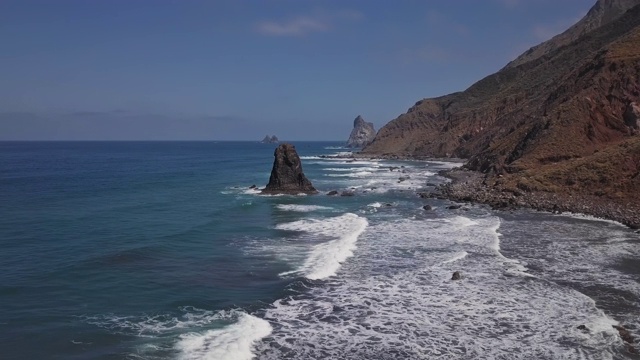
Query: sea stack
[287, 176]
[362, 134]
[270, 139]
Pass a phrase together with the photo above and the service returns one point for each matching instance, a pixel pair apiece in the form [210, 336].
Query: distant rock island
[270, 139]
[362, 134]
[286, 175]
[559, 122]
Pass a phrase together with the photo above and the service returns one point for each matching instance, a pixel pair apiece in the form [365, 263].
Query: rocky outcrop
[632, 116]
[362, 134]
[270, 139]
[559, 123]
[286, 175]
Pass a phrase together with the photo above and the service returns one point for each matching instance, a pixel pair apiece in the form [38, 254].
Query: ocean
[160, 250]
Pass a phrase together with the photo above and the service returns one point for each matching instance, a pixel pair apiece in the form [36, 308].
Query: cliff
[561, 117]
[362, 134]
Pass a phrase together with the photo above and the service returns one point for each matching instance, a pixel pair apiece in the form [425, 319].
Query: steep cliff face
[362, 134]
[541, 113]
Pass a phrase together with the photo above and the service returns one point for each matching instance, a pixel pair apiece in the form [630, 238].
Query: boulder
[332, 193]
[456, 276]
[252, 187]
[347, 193]
[454, 207]
[427, 207]
[286, 175]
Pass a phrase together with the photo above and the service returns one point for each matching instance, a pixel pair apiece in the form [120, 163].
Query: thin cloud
[299, 26]
[304, 25]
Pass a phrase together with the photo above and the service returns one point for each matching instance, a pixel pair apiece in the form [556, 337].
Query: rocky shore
[471, 187]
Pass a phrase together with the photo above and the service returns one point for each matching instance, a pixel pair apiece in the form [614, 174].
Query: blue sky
[237, 70]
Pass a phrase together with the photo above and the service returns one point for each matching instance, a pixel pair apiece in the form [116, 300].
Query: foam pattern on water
[234, 342]
[394, 299]
[302, 208]
[325, 258]
[200, 334]
[586, 254]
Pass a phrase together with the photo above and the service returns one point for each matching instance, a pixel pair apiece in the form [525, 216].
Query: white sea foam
[302, 208]
[325, 258]
[159, 324]
[352, 169]
[375, 205]
[234, 335]
[356, 174]
[458, 256]
[394, 299]
[591, 218]
[233, 342]
[254, 191]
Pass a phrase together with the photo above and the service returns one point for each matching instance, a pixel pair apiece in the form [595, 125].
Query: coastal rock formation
[559, 119]
[362, 134]
[456, 276]
[270, 139]
[287, 176]
[632, 116]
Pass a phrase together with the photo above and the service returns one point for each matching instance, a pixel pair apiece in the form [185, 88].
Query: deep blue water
[159, 250]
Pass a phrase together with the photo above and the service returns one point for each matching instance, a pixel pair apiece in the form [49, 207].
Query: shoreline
[468, 186]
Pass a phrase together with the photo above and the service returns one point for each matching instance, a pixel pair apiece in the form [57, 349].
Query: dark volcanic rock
[632, 116]
[252, 187]
[362, 133]
[454, 207]
[332, 193]
[287, 176]
[456, 276]
[427, 207]
[347, 193]
[624, 334]
[583, 328]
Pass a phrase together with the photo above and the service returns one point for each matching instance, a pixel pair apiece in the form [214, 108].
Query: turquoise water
[159, 250]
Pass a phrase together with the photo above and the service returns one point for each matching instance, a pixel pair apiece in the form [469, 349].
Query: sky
[238, 70]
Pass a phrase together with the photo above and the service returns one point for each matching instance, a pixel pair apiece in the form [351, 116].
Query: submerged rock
[583, 328]
[332, 193]
[427, 207]
[287, 176]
